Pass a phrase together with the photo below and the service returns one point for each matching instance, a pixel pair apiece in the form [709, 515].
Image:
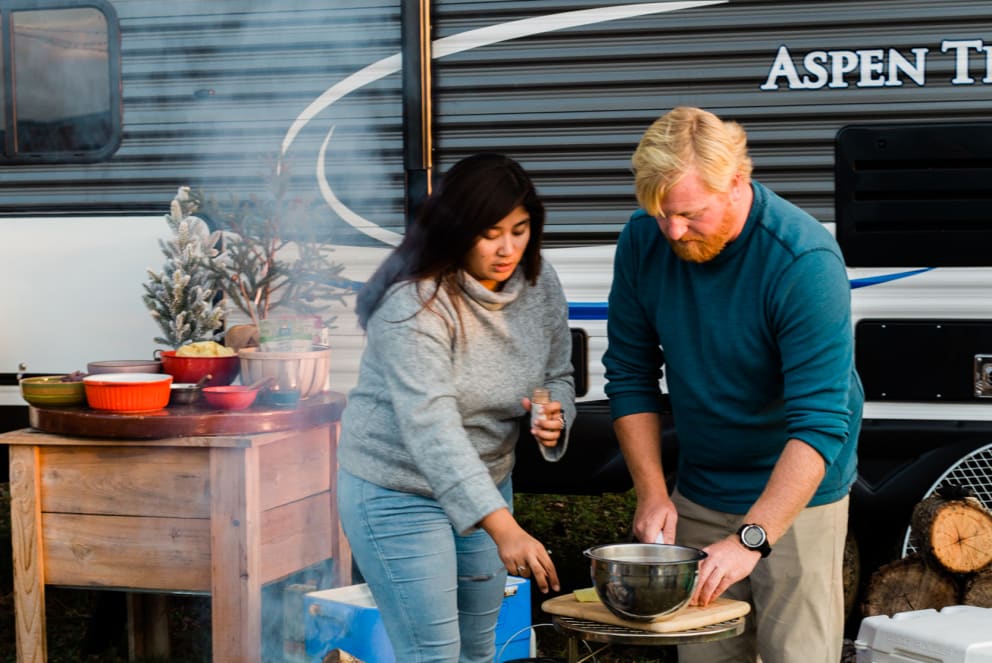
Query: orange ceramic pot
[128, 392]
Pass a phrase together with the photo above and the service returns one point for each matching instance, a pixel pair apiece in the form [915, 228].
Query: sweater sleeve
[812, 318]
[558, 376]
[633, 358]
[420, 381]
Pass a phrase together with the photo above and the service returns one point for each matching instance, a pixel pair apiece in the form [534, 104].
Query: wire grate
[973, 471]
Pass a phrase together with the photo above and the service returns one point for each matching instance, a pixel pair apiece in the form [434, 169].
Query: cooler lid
[955, 634]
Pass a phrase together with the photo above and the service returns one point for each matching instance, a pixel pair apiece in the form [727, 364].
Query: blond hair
[682, 139]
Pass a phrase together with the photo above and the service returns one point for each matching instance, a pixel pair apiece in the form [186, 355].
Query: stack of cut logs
[951, 531]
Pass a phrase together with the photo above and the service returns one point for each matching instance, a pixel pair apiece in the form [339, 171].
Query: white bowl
[305, 372]
[127, 378]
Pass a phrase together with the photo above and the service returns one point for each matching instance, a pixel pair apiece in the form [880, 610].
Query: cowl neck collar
[492, 299]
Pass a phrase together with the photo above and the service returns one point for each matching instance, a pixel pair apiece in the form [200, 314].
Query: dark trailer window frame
[56, 142]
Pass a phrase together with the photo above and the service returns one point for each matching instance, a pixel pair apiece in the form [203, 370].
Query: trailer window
[61, 92]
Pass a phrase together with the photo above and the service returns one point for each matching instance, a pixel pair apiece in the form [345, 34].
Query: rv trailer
[873, 115]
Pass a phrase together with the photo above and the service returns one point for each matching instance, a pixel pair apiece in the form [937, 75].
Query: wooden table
[181, 500]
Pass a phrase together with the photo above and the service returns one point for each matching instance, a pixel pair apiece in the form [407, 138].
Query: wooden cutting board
[690, 617]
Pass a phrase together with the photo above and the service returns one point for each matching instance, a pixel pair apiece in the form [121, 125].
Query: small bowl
[184, 393]
[127, 392]
[124, 366]
[230, 397]
[191, 369]
[644, 581]
[52, 391]
[277, 398]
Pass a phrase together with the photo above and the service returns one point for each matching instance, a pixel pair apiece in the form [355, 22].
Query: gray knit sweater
[437, 405]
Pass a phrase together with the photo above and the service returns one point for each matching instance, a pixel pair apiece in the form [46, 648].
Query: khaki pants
[796, 593]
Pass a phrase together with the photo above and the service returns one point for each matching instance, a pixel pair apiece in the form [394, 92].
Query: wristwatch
[753, 537]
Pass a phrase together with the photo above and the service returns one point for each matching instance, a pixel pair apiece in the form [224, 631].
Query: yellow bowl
[50, 390]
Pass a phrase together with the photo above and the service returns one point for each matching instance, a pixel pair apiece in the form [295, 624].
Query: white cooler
[955, 634]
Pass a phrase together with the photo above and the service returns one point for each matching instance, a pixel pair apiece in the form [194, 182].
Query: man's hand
[727, 562]
[654, 516]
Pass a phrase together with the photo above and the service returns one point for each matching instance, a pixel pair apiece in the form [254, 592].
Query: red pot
[191, 369]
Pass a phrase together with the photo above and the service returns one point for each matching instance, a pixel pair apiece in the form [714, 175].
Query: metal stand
[582, 629]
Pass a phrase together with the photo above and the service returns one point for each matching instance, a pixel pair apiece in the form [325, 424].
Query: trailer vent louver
[914, 195]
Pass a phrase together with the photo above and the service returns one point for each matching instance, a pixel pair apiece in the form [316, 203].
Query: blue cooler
[513, 632]
[347, 618]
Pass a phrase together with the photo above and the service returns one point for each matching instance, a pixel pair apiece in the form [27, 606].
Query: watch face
[753, 536]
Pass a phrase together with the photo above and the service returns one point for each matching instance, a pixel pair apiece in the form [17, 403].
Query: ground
[87, 626]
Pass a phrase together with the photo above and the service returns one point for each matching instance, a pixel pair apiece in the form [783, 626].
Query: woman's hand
[522, 554]
[549, 427]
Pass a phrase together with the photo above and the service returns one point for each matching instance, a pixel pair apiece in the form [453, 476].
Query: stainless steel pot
[186, 393]
[124, 366]
[644, 581]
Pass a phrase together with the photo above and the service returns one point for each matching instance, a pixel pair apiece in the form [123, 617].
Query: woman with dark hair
[463, 321]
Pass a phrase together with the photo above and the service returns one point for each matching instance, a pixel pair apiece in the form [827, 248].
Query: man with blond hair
[740, 300]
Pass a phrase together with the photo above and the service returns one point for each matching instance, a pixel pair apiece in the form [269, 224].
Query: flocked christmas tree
[182, 298]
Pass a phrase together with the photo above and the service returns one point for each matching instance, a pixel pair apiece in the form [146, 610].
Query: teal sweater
[755, 347]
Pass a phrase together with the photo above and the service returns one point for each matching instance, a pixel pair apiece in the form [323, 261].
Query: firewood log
[978, 589]
[954, 534]
[851, 574]
[908, 584]
[340, 656]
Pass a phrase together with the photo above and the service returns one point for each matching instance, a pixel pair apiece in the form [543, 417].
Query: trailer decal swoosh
[449, 46]
[885, 278]
[598, 310]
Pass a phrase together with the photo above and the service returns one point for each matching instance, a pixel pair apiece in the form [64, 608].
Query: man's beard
[704, 249]
[697, 250]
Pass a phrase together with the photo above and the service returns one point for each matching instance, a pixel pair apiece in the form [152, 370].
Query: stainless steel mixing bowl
[644, 581]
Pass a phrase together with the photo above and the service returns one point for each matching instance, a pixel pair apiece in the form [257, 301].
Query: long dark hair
[475, 194]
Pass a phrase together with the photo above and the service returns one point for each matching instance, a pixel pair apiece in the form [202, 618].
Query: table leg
[148, 626]
[573, 649]
[341, 550]
[236, 587]
[29, 572]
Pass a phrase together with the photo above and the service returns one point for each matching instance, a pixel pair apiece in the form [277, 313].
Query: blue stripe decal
[597, 310]
[587, 310]
[885, 278]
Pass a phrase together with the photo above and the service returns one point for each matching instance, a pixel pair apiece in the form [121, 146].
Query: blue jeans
[438, 593]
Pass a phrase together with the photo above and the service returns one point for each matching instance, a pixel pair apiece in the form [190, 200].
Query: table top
[183, 420]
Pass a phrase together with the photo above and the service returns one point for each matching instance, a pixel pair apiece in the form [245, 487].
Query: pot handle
[157, 354]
